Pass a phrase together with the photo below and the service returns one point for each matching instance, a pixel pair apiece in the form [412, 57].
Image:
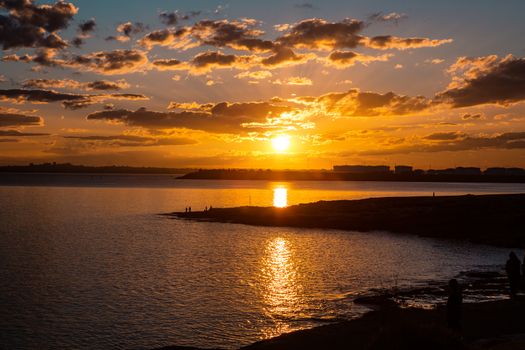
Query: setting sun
[281, 143]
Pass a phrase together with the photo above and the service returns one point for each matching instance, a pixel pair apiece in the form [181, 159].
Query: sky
[263, 84]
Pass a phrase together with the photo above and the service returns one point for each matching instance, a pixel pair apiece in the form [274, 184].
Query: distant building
[467, 171]
[497, 171]
[403, 169]
[362, 169]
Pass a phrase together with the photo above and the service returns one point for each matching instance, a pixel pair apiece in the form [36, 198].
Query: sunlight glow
[282, 292]
[280, 197]
[281, 143]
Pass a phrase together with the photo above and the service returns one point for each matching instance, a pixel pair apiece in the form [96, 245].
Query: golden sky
[288, 85]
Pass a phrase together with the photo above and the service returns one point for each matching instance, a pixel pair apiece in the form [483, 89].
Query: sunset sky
[264, 84]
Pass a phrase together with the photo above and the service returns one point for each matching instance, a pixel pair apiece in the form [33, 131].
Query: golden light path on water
[282, 291]
[280, 197]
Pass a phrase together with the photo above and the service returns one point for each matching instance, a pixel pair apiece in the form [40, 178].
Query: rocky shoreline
[486, 219]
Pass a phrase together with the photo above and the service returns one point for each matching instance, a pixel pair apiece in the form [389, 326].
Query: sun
[281, 143]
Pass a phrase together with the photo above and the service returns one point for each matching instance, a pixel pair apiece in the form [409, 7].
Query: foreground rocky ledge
[496, 325]
[489, 219]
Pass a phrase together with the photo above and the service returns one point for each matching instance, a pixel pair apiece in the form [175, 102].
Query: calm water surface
[86, 263]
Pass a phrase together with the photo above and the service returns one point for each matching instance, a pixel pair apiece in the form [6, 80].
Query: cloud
[87, 27]
[70, 101]
[305, 5]
[239, 35]
[445, 136]
[385, 42]
[435, 61]
[389, 17]
[167, 64]
[320, 34]
[134, 141]
[29, 25]
[17, 133]
[486, 80]
[14, 119]
[174, 17]
[258, 75]
[43, 57]
[456, 142]
[103, 85]
[343, 59]
[172, 38]
[469, 116]
[221, 118]
[284, 56]
[206, 61]
[367, 104]
[293, 81]
[127, 30]
[109, 62]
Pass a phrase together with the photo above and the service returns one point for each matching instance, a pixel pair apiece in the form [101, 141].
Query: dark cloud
[71, 101]
[166, 37]
[29, 25]
[87, 27]
[173, 18]
[14, 119]
[385, 42]
[511, 140]
[487, 82]
[320, 34]
[43, 57]
[205, 61]
[166, 64]
[17, 133]
[109, 62]
[469, 116]
[135, 141]
[283, 56]
[367, 104]
[222, 118]
[445, 136]
[106, 85]
[103, 85]
[389, 17]
[240, 35]
[305, 5]
[343, 59]
[127, 30]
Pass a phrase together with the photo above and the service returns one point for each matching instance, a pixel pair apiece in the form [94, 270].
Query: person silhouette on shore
[189, 209]
[523, 273]
[454, 305]
[186, 209]
[513, 268]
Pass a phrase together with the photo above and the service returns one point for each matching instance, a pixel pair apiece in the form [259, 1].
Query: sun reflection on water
[280, 197]
[282, 292]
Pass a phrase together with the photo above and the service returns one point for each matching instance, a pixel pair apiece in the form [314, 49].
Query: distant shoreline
[486, 219]
[327, 175]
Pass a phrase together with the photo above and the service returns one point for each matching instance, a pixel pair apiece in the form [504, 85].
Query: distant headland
[72, 168]
[367, 173]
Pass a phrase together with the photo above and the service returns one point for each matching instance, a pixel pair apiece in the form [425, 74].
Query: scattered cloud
[486, 80]
[34, 26]
[69, 100]
[103, 85]
[14, 120]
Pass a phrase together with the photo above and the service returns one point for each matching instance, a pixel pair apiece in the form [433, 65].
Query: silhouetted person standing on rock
[513, 268]
[454, 303]
[523, 273]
